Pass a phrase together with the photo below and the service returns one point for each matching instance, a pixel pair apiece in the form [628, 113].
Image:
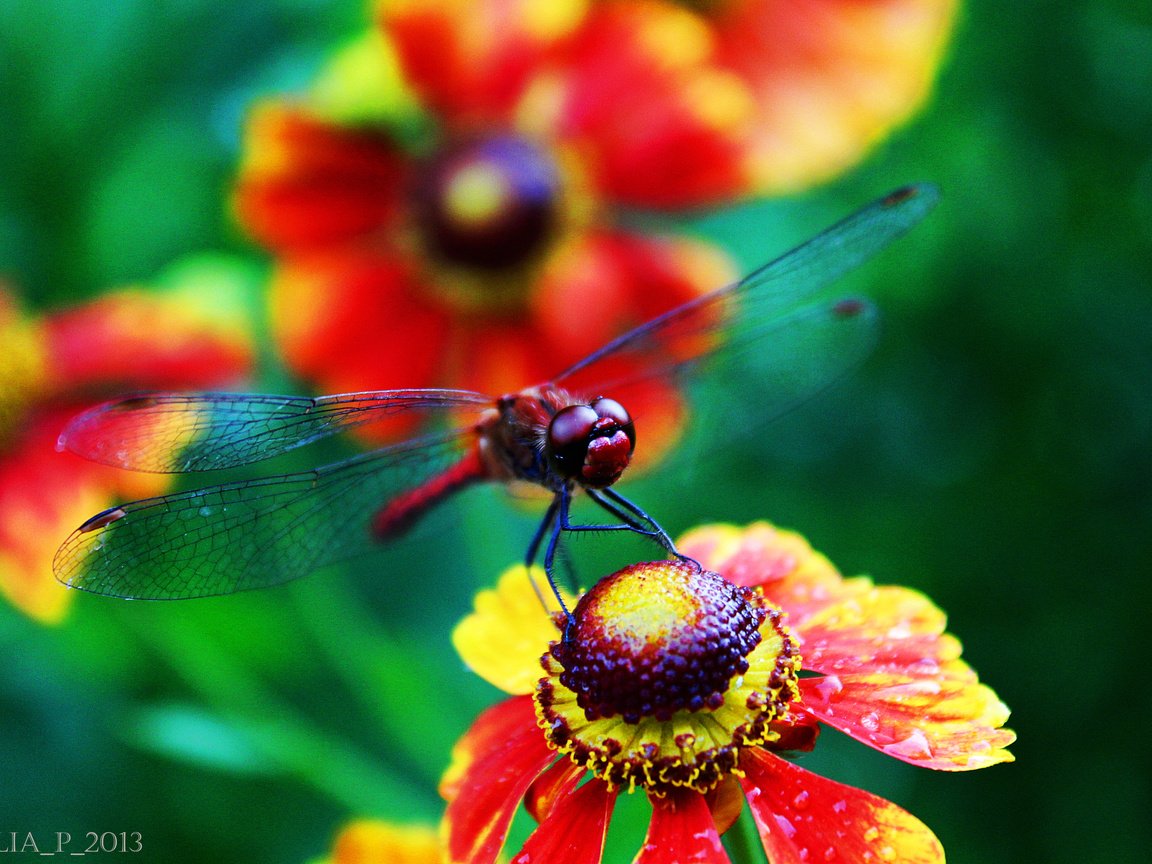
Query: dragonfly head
[591, 443]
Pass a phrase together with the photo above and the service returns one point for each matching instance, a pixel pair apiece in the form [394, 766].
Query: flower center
[669, 671]
[488, 203]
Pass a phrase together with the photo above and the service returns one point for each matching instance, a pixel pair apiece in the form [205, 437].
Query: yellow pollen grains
[476, 193]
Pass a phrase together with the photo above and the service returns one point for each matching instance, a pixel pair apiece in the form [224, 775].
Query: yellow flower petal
[503, 640]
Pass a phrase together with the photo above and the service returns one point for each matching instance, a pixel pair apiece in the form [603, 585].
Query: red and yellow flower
[690, 683]
[693, 102]
[373, 841]
[130, 339]
[444, 206]
[486, 257]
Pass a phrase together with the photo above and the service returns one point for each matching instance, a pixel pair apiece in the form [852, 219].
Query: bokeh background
[993, 452]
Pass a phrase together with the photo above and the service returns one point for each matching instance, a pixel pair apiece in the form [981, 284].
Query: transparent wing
[249, 534]
[778, 309]
[178, 432]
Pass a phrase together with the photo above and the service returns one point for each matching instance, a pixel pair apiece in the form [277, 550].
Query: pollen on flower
[670, 670]
[475, 193]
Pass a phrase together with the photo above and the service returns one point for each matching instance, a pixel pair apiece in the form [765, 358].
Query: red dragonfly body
[565, 435]
[521, 439]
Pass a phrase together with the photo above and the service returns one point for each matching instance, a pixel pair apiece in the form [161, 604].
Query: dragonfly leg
[621, 507]
[633, 515]
[538, 537]
[555, 519]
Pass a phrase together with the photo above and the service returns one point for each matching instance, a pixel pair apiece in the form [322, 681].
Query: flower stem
[743, 841]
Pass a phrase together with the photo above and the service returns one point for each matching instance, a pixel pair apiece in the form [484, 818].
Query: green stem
[339, 770]
[743, 841]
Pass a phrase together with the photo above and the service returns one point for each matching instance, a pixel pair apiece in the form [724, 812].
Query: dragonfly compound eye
[568, 437]
[592, 443]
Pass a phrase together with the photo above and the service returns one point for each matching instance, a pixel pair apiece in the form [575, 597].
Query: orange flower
[691, 103]
[371, 841]
[488, 257]
[690, 685]
[128, 339]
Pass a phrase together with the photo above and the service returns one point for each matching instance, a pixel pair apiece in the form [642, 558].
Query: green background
[993, 452]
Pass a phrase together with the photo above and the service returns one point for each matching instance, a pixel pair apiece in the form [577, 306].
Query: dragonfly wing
[248, 534]
[761, 304]
[178, 432]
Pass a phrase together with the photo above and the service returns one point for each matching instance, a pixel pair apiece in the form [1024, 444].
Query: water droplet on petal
[870, 721]
[786, 827]
[826, 688]
[800, 802]
[915, 746]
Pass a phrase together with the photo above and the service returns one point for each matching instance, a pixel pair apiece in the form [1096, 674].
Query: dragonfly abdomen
[402, 512]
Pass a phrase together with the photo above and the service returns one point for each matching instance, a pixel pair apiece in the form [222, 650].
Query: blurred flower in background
[486, 262]
[188, 335]
[372, 841]
[688, 684]
[449, 203]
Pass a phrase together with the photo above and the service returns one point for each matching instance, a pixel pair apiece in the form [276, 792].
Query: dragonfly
[572, 434]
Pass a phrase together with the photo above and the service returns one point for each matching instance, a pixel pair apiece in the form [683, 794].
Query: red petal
[574, 831]
[134, 340]
[606, 282]
[306, 182]
[948, 721]
[351, 321]
[663, 127]
[473, 67]
[44, 495]
[889, 628]
[799, 580]
[803, 818]
[493, 766]
[894, 680]
[552, 786]
[681, 830]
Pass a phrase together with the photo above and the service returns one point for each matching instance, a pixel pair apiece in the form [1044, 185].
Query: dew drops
[840, 806]
[205, 511]
[830, 853]
[914, 746]
[872, 834]
[827, 688]
[785, 825]
[870, 721]
[800, 802]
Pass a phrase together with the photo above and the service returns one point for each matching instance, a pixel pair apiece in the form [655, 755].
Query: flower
[372, 841]
[128, 339]
[488, 255]
[756, 96]
[689, 685]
